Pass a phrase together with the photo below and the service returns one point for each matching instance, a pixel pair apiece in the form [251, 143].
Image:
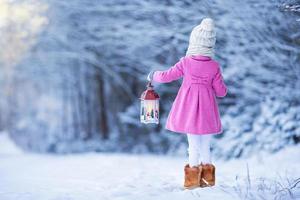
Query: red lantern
[149, 106]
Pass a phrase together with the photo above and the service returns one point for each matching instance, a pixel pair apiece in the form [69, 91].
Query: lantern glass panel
[149, 111]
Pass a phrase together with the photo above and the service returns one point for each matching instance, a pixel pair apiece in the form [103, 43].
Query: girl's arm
[173, 73]
[219, 85]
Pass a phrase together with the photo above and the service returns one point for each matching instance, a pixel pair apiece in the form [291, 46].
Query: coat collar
[200, 57]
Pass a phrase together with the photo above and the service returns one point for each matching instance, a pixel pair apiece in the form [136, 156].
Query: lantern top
[149, 94]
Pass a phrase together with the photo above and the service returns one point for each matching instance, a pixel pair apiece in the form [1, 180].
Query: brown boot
[207, 175]
[191, 177]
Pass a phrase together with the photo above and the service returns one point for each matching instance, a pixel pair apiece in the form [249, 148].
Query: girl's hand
[150, 76]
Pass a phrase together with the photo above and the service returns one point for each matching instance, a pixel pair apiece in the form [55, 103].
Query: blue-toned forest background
[72, 72]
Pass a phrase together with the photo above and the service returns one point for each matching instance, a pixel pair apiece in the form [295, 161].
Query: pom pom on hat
[207, 24]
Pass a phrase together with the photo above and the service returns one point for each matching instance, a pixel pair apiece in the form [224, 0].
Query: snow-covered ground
[102, 176]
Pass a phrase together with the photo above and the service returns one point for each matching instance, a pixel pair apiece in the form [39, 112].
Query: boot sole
[191, 187]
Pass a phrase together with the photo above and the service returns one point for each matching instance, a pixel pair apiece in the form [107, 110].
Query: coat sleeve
[218, 84]
[173, 73]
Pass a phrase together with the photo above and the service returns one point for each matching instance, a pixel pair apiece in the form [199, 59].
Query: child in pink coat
[195, 110]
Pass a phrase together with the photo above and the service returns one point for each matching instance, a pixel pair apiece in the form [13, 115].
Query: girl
[195, 110]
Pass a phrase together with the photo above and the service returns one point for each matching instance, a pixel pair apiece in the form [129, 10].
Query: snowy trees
[262, 82]
[20, 23]
[78, 87]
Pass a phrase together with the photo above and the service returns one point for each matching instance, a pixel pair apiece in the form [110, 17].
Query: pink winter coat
[195, 109]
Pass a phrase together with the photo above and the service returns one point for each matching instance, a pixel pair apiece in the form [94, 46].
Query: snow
[84, 62]
[103, 176]
[7, 147]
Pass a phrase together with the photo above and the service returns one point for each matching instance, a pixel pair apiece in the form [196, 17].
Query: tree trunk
[103, 108]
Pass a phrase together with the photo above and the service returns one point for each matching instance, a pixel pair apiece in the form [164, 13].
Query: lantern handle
[149, 85]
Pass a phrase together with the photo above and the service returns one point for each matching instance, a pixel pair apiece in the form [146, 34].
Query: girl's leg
[204, 150]
[193, 149]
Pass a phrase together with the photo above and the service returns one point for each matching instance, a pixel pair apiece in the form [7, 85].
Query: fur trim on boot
[207, 175]
[191, 177]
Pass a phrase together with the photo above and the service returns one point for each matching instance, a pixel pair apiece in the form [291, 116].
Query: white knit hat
[203, 39]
